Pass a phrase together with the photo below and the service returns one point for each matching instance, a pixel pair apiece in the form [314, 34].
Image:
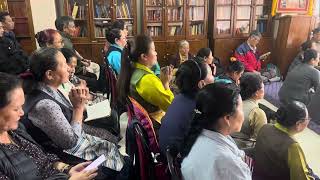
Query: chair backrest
[173, 164]
[142, 145]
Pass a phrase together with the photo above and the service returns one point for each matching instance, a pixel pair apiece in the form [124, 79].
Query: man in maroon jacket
[247, 53]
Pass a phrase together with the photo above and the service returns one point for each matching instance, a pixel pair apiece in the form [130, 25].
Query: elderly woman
[54, 122]
[209, 151]
[277, 154]
[21, 156]
[182, 55]
[252, 90]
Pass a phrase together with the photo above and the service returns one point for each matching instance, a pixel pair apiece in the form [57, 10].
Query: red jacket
[249, 59]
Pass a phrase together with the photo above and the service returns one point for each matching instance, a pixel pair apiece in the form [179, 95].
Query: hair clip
[233, 59]
[197, 111]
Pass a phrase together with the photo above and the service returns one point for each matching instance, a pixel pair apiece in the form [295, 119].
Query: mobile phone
[95, 163]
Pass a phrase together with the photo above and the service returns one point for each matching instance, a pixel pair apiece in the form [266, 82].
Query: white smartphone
[95, 163]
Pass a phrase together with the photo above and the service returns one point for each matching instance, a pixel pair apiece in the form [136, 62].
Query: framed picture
[292, 6]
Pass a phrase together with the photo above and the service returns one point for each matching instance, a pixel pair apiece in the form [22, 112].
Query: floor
[309, 142]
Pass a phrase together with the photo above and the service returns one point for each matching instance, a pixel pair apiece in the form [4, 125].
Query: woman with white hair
[182, 55]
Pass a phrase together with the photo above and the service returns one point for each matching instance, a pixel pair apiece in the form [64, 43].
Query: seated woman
[209, 151]
[310, 44]
[206, 54]
[277, 154]
[191, 76]
[118, 40]
[233, 72]
[53, 121]
[182, 54]
[138, 81]
[21, 156]
[52, 38]
[298, 83]
[252, 90]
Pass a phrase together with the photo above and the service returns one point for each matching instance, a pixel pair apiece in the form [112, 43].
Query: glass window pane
[196, 13]
[243, 2]
[242, 27]
[223, 27]
[196, 2]
[224, 12]
[175, 28]
[78, 9]
[261, 25]
[223, 2]
[102, 8]
[153, 2]
[154, 14]
[196, 28]
[175, 14]
[123, 9]
[174, 2]
[262, 11]
[243, 12]
[261, 2]
[154, 29]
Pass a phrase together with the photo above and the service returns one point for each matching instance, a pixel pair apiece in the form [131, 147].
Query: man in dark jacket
[13, 60]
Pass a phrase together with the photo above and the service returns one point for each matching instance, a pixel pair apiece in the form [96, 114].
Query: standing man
[13, 59]
[247, 53]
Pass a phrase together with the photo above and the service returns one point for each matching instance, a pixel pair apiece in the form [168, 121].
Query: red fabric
[249, 61]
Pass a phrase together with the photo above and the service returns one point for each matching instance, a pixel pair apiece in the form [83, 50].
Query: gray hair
[62, 22]
[183, 43]
[255, 33]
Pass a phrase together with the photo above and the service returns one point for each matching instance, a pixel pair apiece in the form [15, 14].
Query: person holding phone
[21, 156]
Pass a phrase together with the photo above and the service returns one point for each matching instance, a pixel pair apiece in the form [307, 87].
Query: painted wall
[43, 14]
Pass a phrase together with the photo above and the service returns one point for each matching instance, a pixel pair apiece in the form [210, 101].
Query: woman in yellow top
[138, 81]
[277, 154]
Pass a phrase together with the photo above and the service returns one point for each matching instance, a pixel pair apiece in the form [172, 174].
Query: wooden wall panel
[97, 55]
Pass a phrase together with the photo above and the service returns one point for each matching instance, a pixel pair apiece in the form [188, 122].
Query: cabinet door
[262, 16]
[175, 13]
[196, 18]
[125, 11]
[102, 15]
[223, 18]
[154, 19]
[242, 26]
[79, 10]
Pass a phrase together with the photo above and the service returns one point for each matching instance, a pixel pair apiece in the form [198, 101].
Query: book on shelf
[175, 30]
[197, 29]
[174, 2]
[196, 13]
[123, 11]
[154, 30]
[154, 15]
[175, 14]
[80, 31]
[75, 10]
[153, 2]
[102, 11]
[196, 2]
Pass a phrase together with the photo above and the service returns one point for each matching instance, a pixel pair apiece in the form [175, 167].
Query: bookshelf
[169, 21]
[3, 5]
[233, 20]
[92, 18]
